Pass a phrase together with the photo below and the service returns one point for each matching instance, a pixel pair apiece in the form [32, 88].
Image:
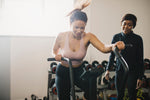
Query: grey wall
[4, 68]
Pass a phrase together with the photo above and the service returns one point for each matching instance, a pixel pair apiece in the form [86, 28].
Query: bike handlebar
[62, 58]
[121, 59]
[71, 74]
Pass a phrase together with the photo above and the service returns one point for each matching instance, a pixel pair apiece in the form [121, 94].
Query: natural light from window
[34, 17]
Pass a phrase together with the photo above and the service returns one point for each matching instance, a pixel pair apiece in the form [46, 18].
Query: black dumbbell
[113, 67]
[104, 63]
[85, 63]
[77, 97]
[146, 63]
[53, 66]
[95, 63]
[34, 97]
[105, 81]
[88, 67]
[54, 91]
[111, 84]
[148, 82]
[45, 98]
[144, 82]
[52, 82]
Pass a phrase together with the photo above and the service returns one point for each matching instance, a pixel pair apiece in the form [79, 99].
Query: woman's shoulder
[62, 34]
[89, 34]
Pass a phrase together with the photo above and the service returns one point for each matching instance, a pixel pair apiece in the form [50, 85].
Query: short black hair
[131, 17]
[78, 15]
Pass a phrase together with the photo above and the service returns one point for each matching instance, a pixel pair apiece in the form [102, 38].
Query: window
[34, 17]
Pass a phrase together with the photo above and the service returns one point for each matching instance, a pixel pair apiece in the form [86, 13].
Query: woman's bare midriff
[74, 66]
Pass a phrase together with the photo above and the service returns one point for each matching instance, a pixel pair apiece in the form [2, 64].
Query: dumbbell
[45, 98]
[104, 63]
[86, 65]
[113, 67]
[105, 81]
[52, 82]
[111, 84]
[34, 97]
[96, 64]
[77, 97]
[148, 82]
[146, 63]
[53, 66]
[54, 91]
[144, 82]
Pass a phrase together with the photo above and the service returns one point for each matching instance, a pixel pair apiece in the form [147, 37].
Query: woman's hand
[58, 57]
[119, 44]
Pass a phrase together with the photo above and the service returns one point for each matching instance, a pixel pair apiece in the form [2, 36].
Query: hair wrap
[80, 5]
[77, 13]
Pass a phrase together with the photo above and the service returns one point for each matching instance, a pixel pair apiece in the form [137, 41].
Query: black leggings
[63, 82]
[130, 81]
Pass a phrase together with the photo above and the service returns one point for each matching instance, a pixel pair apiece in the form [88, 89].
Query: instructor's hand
[139, 84]
[107, 75]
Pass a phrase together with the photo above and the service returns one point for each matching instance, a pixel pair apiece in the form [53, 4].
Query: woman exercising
[73, 44]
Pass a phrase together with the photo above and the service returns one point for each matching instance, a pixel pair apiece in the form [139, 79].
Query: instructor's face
[127, 26]
[78, 28]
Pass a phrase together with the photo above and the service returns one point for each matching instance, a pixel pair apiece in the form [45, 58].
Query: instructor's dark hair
[130, 17]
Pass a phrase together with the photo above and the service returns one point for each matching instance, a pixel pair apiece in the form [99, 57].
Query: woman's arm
[57, 46]
[102, 47]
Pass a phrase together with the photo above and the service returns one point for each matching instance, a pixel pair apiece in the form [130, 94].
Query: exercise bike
[90, 75]
[71, 77]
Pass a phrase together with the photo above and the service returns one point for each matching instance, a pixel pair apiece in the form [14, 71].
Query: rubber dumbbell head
[105, 81]
[88, 67]
[53, 67]
[54, 91]
[85, 63]
[104, 63]
[146, 64]
[52, 82]
[95, 63]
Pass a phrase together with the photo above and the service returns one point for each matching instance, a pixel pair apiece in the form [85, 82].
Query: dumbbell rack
[103, 88]
[50, 95]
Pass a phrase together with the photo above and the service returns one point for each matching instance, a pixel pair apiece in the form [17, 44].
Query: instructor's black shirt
[133, 53]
